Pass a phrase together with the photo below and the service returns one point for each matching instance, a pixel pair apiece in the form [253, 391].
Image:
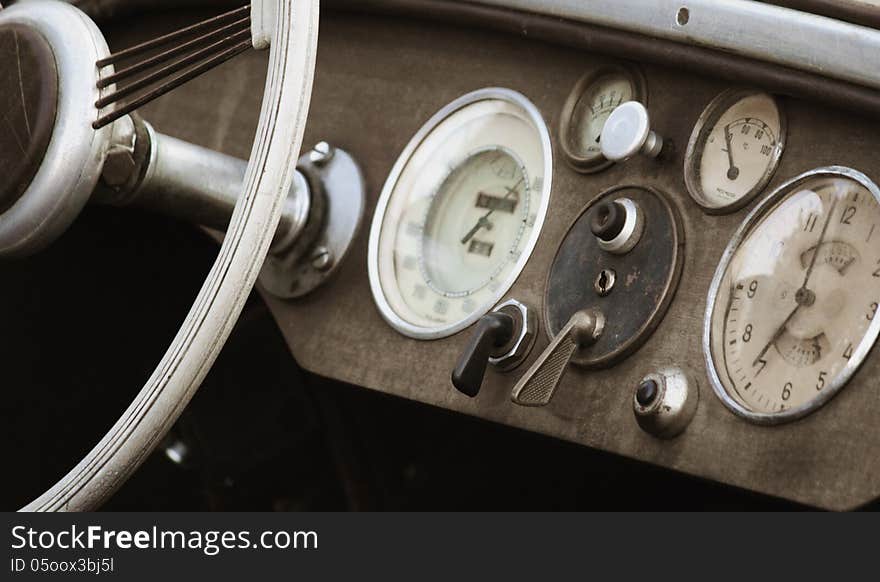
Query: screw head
[321, 154]
[322, 258]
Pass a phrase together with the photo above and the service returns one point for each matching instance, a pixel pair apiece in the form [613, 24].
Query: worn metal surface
[377, 82]
[742, 27]
[647, 277]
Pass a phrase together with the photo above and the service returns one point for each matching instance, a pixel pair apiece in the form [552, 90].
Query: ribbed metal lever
[539, 383]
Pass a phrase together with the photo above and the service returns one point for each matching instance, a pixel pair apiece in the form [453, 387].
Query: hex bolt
[322, 258]
[119, 166]
[321, 154]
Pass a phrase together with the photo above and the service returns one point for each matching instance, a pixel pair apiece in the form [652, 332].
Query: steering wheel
[59, 42]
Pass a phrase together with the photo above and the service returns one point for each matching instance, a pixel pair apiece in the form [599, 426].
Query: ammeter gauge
[587, 108]
[734, 150]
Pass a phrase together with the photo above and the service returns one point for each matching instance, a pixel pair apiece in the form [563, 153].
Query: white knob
[627, 132]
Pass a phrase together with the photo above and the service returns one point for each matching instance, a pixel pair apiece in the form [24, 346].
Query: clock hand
[732, 171]
[819, 244]
[804, 296]
[776, 335]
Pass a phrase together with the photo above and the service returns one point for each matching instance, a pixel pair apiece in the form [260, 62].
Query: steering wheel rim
[215, 310]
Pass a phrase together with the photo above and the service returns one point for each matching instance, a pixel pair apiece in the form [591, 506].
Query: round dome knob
[627, 132]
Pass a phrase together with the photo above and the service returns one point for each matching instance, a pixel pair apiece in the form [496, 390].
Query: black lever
[494, 330]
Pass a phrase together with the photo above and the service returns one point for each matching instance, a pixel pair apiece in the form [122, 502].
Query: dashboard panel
[378, 82]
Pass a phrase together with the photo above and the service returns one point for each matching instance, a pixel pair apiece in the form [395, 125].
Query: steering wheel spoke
[196, 49]
[86, 145]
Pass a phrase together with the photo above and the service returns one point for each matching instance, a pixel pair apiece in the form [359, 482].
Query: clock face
[796, 298]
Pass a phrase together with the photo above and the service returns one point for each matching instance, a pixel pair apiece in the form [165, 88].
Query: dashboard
[665, 265]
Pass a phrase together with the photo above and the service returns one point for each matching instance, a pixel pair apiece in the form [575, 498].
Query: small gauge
[587, 108]
[734, 150]
[460, 213]
[792, 308]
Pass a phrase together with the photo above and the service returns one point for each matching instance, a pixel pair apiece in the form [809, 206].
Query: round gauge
[791, 310]
[734, 150]
[589, 104]
[460, 213]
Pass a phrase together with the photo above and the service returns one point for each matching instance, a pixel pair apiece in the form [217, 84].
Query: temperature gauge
[734, 150]
[792, 310]
[590, 103]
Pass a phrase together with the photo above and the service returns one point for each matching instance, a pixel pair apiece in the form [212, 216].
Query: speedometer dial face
[734, 150]
[460, 213]
[792, 310]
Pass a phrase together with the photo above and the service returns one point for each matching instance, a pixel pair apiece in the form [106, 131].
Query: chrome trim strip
[799, 40]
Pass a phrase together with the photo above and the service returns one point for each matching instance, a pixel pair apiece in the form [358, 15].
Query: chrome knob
[664, 402]
[627, 132]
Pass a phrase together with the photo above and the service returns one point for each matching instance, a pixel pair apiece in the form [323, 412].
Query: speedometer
[460, 213]
[792, 310]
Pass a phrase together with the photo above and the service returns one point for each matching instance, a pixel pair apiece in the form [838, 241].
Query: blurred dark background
[85, 322]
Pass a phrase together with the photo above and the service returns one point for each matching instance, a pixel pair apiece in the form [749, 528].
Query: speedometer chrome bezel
[530, 112]
[697, 145]
[859, 353]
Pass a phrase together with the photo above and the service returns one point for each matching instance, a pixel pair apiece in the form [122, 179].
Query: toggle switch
[502, 338]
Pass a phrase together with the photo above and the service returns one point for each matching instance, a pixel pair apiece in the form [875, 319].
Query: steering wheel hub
[50, 156]
[28, 99]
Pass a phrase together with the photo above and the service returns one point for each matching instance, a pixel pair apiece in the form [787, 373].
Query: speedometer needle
[483, 221]
[733, 171]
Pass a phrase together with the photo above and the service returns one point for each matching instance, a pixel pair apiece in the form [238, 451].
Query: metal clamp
[335, 177]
